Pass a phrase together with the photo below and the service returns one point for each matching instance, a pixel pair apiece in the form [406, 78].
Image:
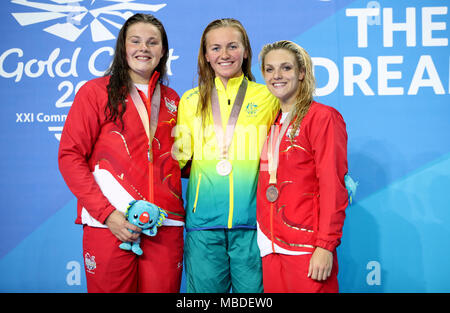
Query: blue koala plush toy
[145, 215]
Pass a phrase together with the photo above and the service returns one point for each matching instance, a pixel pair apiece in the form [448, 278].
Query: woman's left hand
[320, 264]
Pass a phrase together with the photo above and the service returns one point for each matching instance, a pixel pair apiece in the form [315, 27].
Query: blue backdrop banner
[385, 65]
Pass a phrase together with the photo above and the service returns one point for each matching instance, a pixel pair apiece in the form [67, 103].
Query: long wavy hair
[206, 73]
[307, 86]
[120, 80]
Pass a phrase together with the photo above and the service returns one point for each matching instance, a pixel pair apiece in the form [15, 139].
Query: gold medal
[224, 136]
[272, 193]
[224, 167]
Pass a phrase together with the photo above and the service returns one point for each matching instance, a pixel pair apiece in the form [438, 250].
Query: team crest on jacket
[289, 132]
[89, 261]
[252, 109]
[170, 105]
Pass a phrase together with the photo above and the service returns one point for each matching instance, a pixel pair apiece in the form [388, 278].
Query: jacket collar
[232, 84]
[152, 82]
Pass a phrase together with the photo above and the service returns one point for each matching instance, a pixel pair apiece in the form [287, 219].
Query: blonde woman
[222, 125]
[302, 195]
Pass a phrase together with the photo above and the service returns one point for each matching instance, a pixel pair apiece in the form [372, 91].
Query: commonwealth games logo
[71, 18]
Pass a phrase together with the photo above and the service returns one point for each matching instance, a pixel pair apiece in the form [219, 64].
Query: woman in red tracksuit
[301, 197]
[115, 148]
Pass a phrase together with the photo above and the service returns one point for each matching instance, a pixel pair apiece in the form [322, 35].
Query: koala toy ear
[128, 208]
[162, 216]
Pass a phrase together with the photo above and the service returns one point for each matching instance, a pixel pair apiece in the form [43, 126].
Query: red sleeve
[329, 143]
[78, 138]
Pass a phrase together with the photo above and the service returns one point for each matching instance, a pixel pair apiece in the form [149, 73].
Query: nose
[225, 54]
[143, 46]
[144, 218]
[277, 74]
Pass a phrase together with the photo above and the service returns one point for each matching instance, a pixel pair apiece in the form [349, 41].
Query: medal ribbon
[273, 158]
[148, 111]
[224, 139]
[274, 147]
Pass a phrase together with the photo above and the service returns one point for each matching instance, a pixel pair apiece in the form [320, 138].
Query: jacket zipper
[196, 193]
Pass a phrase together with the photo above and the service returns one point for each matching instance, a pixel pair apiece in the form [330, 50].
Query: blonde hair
[307, 86]
[206, 73]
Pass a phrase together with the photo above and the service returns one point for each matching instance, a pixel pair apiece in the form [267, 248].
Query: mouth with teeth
[279, 85]
[143, 58]
[225, 64]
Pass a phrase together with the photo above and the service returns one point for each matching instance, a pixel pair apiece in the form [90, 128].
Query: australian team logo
[69, 19]
[252, 109]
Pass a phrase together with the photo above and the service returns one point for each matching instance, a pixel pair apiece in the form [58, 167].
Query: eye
[135, 216]
[268, 70]
[287, 68]
[150, 222]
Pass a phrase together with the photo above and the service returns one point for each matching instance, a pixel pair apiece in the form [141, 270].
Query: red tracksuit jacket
[90, 141]
[310, 209]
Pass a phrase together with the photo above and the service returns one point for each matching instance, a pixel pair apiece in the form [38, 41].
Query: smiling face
[283, 76]
[144, 50]
[144, 217]
[225, 52]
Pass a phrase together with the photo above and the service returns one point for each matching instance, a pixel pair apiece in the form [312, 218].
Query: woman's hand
[320, 264]
[119, 226]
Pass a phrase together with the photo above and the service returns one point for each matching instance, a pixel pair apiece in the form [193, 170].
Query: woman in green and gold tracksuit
[222, 125]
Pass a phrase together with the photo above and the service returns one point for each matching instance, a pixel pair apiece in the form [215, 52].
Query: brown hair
[205, 71]
[120, 80]
[307, 86]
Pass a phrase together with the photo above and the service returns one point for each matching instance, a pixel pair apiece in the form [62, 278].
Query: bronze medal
[272, 193]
